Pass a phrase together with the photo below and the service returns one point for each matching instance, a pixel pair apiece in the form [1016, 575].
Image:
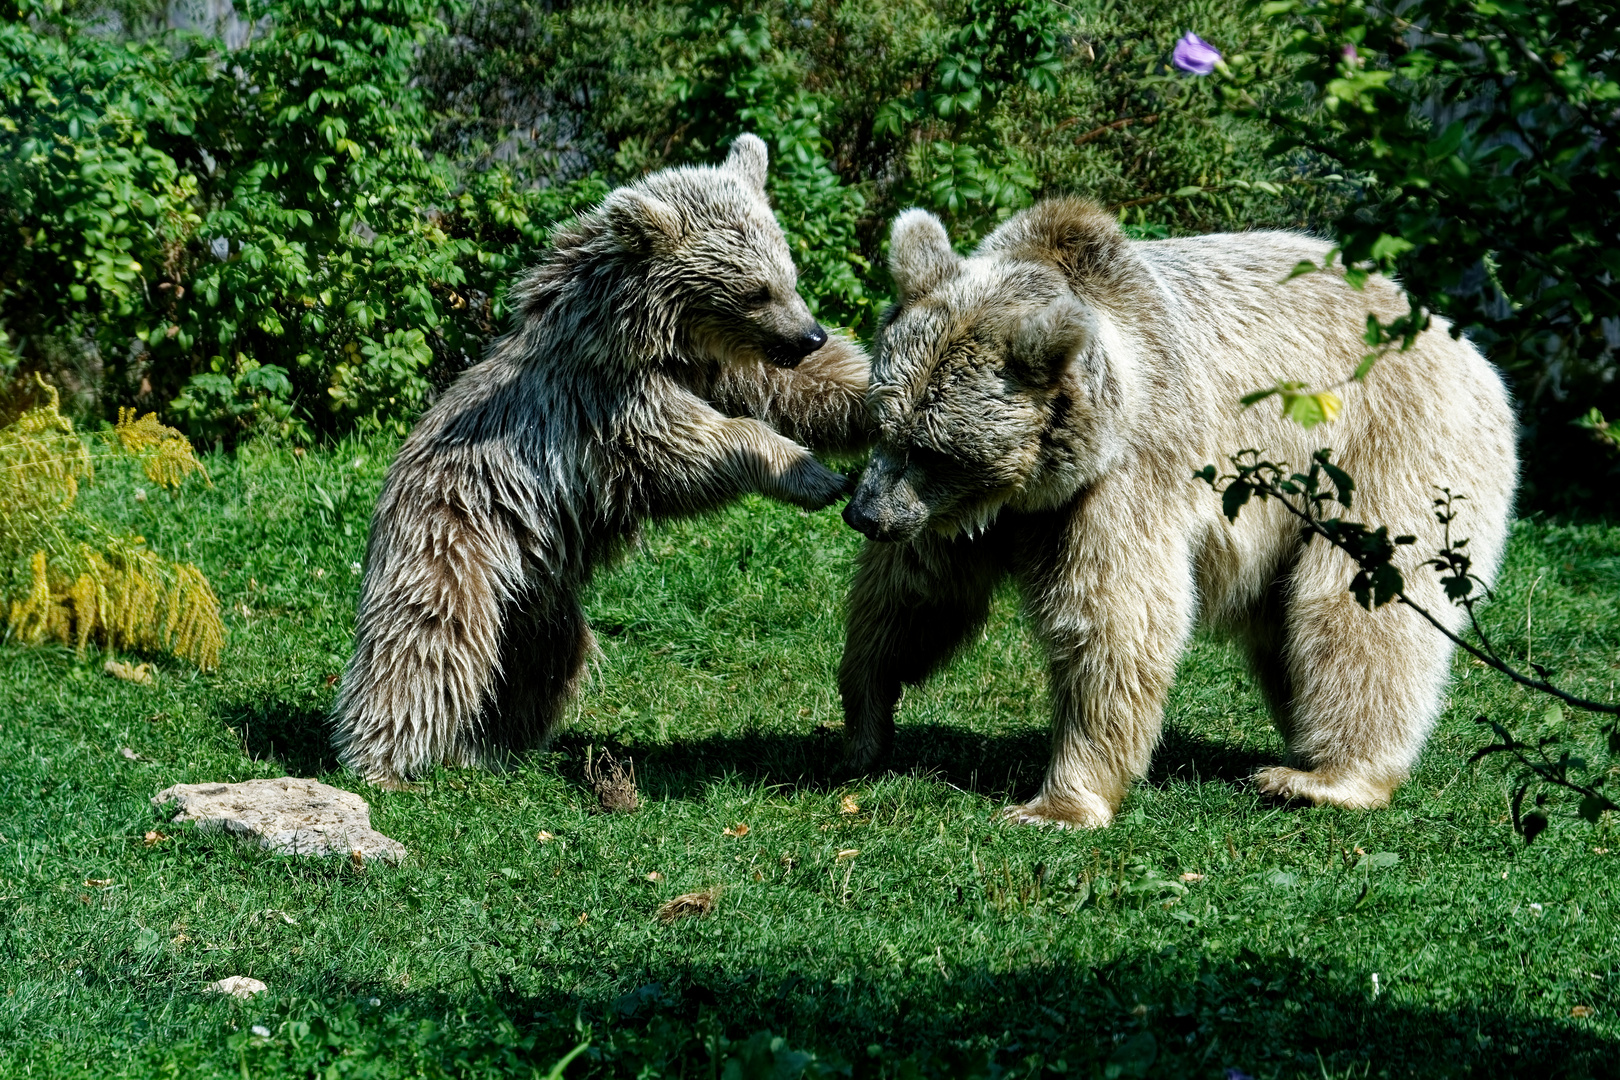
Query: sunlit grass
[881, 925]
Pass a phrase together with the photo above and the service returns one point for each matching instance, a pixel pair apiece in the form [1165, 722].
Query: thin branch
[1099, 132]
[1489, 658]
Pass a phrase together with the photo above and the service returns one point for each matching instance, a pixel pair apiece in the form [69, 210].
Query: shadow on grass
[1174, 1013]
[298, 736]
[1195, 759]
[1004, 767]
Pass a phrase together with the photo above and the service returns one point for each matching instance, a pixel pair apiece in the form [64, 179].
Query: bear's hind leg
[543, 659]
[1366, 690]
[426, 639]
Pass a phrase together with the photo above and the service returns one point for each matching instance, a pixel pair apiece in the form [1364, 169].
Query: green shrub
[256, 237]
[315, 231]
[1485, 141]
[972, 108]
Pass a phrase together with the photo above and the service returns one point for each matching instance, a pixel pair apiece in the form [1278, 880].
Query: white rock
[290, 815]
[237, 986]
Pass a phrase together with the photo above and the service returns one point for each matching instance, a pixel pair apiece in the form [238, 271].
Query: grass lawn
[887, 927]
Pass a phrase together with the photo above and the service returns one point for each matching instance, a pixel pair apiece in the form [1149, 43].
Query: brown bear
[652, 351]
[1042, 407]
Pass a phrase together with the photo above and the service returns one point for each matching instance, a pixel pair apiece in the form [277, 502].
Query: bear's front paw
[1083, 812]
[1350, 790]
[820, 489]
[860, 760]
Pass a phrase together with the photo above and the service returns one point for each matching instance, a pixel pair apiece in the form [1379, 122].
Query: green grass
[950, 944]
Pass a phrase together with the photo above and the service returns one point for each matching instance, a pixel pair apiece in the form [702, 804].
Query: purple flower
[1351, 57]
[1195, 55]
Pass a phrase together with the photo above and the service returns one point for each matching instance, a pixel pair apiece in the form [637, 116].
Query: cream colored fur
[652, 353]
[1042, 408]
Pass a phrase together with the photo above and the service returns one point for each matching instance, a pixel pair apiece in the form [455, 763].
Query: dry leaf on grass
[544, 837]
[1192, 876]
[848, 805]
[614, 783]
[129, 754]
[849, 853]
[135, 673]
[153, 838]
[654, 876]
[1581, 1012]
[740, 829]
[698, 903]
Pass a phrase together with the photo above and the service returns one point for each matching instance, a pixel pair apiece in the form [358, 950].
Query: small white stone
[237, 986]
[260, 1030]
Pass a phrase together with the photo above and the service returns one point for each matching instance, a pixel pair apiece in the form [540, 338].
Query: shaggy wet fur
[1042, 408]
[653, 351]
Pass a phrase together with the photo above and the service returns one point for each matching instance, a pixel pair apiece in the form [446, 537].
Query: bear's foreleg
[694, 459]
[911, 606]
[1115, 619]
[821, 403]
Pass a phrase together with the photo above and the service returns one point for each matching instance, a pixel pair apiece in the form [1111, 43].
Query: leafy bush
[973, 108]
[1483, 137]
[256, 235]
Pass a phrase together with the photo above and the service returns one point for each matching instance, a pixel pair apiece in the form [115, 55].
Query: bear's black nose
[812, 339]
[859, 518]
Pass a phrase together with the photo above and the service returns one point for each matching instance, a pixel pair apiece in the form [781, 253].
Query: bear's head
[714, 260]
[992, 384]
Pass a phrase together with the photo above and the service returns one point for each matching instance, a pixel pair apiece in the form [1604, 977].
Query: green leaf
[1388, 248]
[1233, 498]
[1341, 480]
[1308, 410]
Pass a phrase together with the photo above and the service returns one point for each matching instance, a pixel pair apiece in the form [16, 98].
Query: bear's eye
[758, 297]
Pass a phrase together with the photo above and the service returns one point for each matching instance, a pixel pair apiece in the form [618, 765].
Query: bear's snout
[795, 347]
[883, 510]
[858, 516]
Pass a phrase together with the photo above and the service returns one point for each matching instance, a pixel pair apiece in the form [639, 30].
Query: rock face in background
[290, 816]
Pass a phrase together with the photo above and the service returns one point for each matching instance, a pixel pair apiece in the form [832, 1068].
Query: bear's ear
[748, 159]
[643, 223]
[920, 254]
[1045, 343]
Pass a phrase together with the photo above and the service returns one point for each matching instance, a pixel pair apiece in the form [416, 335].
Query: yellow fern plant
[73, 579]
